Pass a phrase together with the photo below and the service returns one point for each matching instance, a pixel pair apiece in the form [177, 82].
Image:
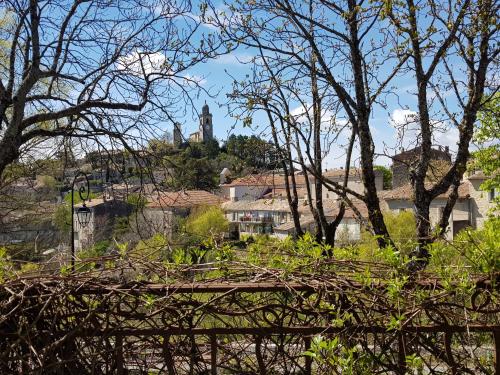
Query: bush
[401, 227]
[154, 248]
[478, 250]
[137, 201]
[207, 223]
[97, 250]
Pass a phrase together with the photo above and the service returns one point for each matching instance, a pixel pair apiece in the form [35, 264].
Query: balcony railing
[256, 219]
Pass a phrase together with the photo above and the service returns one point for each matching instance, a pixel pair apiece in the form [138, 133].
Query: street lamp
[83, 213]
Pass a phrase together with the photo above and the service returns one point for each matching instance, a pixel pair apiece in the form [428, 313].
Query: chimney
[447, 149]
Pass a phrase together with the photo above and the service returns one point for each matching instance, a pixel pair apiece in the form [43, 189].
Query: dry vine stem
[138, 317]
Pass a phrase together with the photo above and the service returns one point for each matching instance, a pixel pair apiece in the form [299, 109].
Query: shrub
[207, 222]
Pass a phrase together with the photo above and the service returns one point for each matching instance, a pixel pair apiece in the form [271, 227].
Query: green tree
[192, 173]
[62, 218]
[137, 201]
[153, 248]
[487, 134]
[207, 223]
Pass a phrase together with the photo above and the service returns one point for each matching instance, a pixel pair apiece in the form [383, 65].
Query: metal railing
[244, 327]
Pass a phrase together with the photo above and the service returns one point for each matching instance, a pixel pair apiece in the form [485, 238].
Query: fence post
[307, 344]
[449, 354]
[167, 356]
[401, 353]
[119, 354]
[496, 335]
[213, 354]
[258, 354]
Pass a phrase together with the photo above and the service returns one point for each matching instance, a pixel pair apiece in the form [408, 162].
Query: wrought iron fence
[257, 322]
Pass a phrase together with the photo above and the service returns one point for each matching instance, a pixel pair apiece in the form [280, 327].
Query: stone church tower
[177, 134]
[206, 128]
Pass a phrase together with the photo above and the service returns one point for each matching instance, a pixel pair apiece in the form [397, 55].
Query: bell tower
[177, 134]
[206, 127]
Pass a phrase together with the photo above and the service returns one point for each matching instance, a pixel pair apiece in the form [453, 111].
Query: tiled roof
[405, 192]
[277, 205]
[331, 211]
[265, 179]
[340, 172]
[281, 205]
[281, 192]
[405, 156]
[93, 202]
[183, 199]
[288, 226]
[278, 180]
[478, 175]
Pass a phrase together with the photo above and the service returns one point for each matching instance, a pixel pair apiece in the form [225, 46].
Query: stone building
[271, 184]
[163, 208]
[273, 216]
[177, 135]
[405, 160]
[103, 214]
[206, 131]
[471, 208]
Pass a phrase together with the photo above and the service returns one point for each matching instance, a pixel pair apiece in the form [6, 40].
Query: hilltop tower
[206, 128]
[177, 134]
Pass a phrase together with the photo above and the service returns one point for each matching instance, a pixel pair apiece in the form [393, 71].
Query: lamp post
[83, 213]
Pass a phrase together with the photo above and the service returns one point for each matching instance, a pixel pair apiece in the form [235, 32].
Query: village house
[272, 184]
[471, 208]
[257, 203]
[103, 214]
[162, 208]
[355, 182]
[272, 216]
[440, 161]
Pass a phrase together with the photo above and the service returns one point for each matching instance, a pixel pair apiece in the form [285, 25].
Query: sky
[217, 76]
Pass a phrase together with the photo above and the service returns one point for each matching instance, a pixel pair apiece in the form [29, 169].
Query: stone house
[162, 209]
[402, 163]
[471, 208]
[354, 183]
[251, 187]
[272, 216]
[103, 215]
[272, 184]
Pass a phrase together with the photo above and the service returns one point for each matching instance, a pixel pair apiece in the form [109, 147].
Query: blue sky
[217, 80]
[217, 76]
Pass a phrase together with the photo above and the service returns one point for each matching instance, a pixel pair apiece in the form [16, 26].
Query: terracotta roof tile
[183, 199]
[405, 192]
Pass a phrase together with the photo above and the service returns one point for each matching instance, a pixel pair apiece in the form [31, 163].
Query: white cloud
[449, 137]
[194, 80]
[403, 117]
[329, 122]
[234, 59]
[143, 63]
[407, 130]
